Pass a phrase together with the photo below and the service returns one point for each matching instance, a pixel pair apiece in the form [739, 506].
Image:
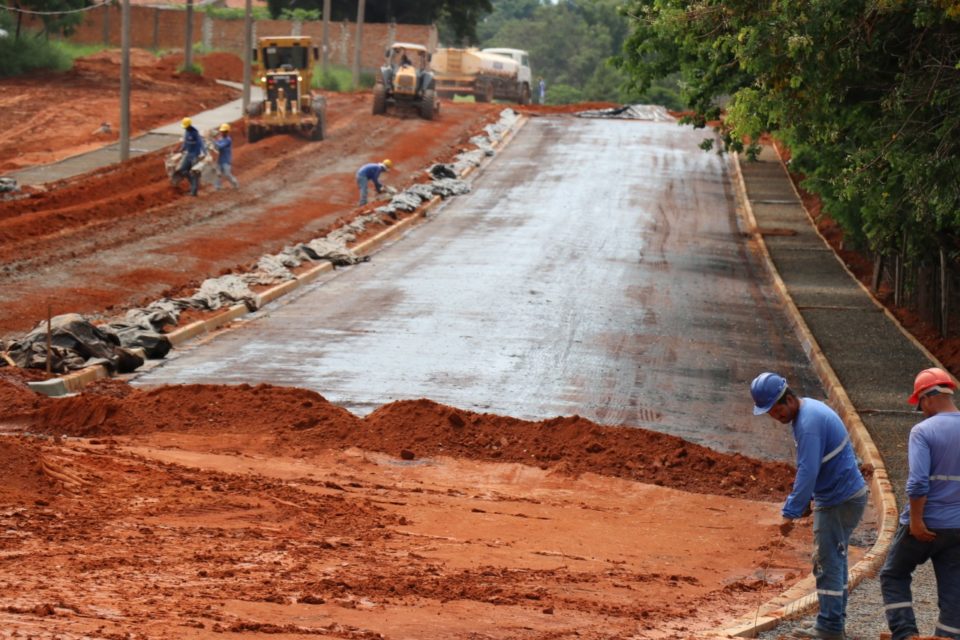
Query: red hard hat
[929, 378]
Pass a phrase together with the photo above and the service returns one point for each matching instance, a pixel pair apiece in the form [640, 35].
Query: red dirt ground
[189, 512]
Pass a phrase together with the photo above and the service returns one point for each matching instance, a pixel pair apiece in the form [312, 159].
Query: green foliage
[194, 69]
[238, 13]
[301, 15]
[59, 17]
[571, 43]
[865, 94]
[31, 52]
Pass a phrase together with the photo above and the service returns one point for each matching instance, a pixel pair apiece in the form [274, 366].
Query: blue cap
[766, 389]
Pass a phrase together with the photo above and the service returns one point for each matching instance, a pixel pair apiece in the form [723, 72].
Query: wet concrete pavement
[597, 269]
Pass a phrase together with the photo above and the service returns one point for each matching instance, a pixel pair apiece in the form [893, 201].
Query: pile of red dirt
[305, 421]
[21, 467]
[87, 98]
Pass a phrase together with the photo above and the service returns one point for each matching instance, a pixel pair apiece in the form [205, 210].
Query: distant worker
[930, 522]
[404, 60]
[192, 149]
[827, 472]
[224, 146]
[542, 90]
[371, 173]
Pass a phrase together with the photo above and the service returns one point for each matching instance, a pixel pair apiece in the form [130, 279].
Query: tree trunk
[944, 293]
[877, 272]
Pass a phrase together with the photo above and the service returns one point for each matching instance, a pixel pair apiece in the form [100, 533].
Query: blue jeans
[906, 554]
[362, 184]
[832, 527]
[227, 172]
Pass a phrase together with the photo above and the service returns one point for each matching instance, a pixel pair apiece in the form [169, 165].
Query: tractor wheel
[427, 104]
[255, 108]
[254, 132]
[379, 100]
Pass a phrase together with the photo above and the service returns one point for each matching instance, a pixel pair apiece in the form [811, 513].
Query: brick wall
[164, 28]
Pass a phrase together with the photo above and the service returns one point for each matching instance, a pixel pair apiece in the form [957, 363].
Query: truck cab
[520, 57]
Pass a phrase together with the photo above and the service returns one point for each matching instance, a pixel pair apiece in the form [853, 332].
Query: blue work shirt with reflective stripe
[934, 454]
[372, 171]
[827, 467]
[224, 147]
[192, 141]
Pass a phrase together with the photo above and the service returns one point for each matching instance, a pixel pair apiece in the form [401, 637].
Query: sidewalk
[145, 143]
[858, 343]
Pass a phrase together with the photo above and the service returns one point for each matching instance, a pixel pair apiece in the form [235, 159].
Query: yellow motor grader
[406, 82]
[284, 72]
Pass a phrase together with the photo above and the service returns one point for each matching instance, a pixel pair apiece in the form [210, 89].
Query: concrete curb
[73, 382]
[802, 597]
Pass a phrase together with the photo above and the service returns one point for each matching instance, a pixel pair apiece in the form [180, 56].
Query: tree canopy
[865, 93]
[461, 15]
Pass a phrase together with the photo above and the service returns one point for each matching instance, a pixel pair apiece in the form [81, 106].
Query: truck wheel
[525, 94]
[485, 94]
[379, 100]
[427, 104]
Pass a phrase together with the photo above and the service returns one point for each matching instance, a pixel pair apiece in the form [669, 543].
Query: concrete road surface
[596, 269]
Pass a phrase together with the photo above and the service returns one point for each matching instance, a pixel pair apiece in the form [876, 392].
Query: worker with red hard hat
[930, 522]
[827, 473]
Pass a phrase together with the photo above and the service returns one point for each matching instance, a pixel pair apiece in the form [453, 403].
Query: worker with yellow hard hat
[192, 149]
[224, 146]
[371, 173]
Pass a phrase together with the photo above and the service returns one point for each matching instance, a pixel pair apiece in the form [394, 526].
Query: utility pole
[188, 49]
[247, 49]
[125, 82]
[358, 44]
[326, 37]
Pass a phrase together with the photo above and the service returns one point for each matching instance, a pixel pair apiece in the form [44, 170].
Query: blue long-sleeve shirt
[372, 172]
[224, 145]
[192, 141]
[827, 467]
[934, 454]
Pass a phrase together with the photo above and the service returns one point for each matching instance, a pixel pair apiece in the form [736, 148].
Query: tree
[866, 94]
[57, 16]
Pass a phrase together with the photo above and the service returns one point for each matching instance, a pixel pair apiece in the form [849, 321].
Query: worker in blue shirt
[827, 473]
[930, 522]
[192, 148]
[224, 147]
[371, 173]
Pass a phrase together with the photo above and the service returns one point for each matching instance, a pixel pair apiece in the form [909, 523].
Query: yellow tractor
[405, 81]
[284, 73]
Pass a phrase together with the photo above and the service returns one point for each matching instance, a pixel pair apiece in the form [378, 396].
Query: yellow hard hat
[225, 127]
[186, 122]
[388, 164]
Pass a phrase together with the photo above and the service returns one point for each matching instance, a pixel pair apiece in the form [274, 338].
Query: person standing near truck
[542, 90]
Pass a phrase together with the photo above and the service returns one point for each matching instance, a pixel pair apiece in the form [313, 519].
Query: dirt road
[193, 511]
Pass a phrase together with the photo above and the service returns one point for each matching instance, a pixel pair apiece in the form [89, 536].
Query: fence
[165, 28]
[926, 287]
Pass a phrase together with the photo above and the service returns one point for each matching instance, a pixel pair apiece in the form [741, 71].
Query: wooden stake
[49, 341]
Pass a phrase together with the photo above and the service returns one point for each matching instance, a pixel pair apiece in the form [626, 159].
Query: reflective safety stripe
[940, 625]
[898, 605]
[950, 478]
[827, 592]
[836, 451]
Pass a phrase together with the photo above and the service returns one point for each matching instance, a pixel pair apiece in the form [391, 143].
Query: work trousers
[832, 528]
[189, 159]
[226, 171]
[362, 184]
[906, 554]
